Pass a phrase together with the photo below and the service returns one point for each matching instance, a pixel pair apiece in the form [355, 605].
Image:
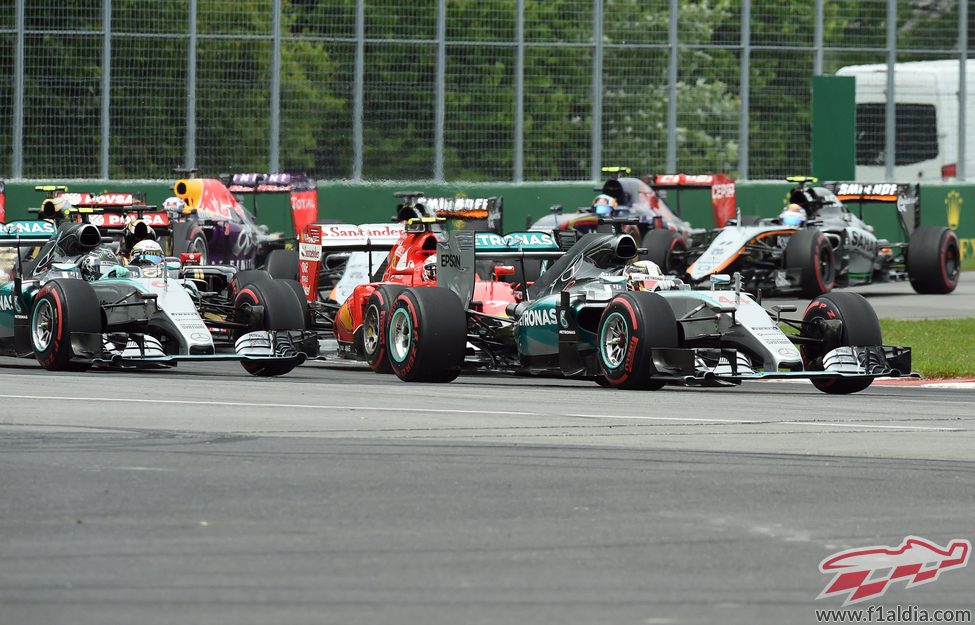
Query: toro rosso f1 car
[68, 301]
[599, 313]
[817, 244]
[659, 227]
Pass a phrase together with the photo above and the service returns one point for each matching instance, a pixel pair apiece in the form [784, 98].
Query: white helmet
[430, 268]
[148, 256]
[645, 275]
[174, 205]
[793, 215]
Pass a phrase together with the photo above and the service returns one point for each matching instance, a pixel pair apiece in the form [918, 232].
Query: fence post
[441, 91]
[672, 62]
[17, 158]
[275, 130]
[190, 156]
[890, 111]
[597, 90]
[519, 159]
[672, 90]
[963, 120]
[744, 87]
[106, 86]
[818, 39]
[358, 88]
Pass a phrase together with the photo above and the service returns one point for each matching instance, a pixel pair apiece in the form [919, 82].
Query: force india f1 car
[67, 301]
[833, 247]
[595, 315]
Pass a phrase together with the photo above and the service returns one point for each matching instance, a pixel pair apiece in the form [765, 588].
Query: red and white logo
[866, 572]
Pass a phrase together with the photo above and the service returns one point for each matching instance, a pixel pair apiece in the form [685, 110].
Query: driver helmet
[430, 268]
[793, 215]
[604, 205]
[175, 205]
[642, 275]
[148, 255]
[97, 264]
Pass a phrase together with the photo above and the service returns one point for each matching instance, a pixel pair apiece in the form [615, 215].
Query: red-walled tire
[810, 253]
[427, 335]
[662, 248]
[630, 327]
[282, 312]
[934, 260]
[860, 327]
[63, 307]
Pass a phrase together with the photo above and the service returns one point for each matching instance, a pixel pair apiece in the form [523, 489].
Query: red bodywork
[405, 267]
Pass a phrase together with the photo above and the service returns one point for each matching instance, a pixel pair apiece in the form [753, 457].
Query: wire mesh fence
[448, 89]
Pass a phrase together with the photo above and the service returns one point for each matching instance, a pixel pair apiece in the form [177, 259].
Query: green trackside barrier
[942, 203]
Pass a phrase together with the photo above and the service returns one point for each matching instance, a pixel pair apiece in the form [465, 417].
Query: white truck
[927, 130]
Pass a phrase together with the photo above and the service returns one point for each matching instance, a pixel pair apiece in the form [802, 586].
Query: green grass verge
[941, 348]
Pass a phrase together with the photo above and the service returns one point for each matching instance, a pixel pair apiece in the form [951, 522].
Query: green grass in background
[941, 348]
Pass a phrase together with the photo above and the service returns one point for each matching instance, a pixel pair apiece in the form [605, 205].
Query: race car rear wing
[723, 201]
[479, 214]
[906, 197]
[301, 189]
[26, 233]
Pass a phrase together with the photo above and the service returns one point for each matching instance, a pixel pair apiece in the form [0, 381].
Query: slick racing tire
[933, 260]
[309, 345]
[61, 308]
[282, 264]
[242, 278]
[860, 327]
[375, 321]
[427, 335]
[196, 243]
[810, 253]
[663, 247]
[282, 312]
[630, 327]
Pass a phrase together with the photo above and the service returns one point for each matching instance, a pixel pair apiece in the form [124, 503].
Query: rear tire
[61, 308]
[282, 264]
[934, 260]
[661, 247]
[282, 312]
[810, 253]
[427, 335]
[375, 321]
[630, 327]
[860, 327]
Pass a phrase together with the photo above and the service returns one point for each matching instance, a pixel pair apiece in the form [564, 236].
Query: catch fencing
[472, 90]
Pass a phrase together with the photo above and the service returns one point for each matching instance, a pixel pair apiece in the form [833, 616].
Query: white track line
[461, 411]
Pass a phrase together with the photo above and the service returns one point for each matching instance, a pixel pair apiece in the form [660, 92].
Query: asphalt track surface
[335, 495]
[897, 300]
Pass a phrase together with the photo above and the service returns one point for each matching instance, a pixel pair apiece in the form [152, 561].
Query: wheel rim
[400, 335]
[43, 324]
[825, 266]
[371, 331]
[199, 246]
[951, 263]
[613, 341]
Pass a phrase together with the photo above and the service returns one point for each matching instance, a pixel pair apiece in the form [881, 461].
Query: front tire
[810, 253]
[282, 264]
[663, 248]
[427, 335]
[282, 312]
[934, 260]
[62, 308]
[630, 327]
[860, 327]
